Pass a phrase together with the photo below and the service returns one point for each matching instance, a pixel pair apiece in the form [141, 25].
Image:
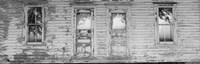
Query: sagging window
[34, 21]
[165, 24]
[84, 31]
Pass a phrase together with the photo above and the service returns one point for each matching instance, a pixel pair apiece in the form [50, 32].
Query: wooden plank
[142, 33]
[138, 9]
[143, 14]
[186, 1]
[142, 17]
[187, 9]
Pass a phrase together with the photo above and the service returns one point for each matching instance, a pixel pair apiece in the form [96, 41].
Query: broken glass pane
[118, 20]
[35, 15]
[34, 24]
[35, 33]
[165, 16]
[165, 21]
[84, 20]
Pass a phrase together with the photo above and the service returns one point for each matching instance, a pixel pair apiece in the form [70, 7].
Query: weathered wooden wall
[59, 44]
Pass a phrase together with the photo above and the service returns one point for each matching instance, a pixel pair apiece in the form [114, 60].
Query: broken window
[84, 32]
[118, 32]
[118, 20]
[165, 23]
[34, 24]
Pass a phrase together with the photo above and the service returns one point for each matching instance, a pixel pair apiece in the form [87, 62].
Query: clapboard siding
[60, 25]
[101, 32]
[142, 29]
[188, 28]
[59, 36]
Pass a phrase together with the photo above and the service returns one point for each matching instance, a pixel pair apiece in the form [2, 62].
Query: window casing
[34, 24]
[84, 32]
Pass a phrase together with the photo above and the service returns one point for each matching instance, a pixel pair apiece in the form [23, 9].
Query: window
[34, 24]
[84, 18]
[118, 32]
[165, 22]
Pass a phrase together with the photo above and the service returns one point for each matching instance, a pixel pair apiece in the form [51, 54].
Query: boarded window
[118, 32]
[84, 32]
[165, 23]
[34, 24]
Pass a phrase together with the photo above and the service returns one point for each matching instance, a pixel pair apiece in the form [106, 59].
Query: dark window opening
[34, 24]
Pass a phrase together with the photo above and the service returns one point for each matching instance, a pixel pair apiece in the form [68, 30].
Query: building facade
[70, 31]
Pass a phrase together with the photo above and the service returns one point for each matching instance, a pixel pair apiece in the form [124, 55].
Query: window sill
[34, 43]
[166, 43]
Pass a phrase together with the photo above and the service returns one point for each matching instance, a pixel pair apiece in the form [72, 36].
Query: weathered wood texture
[59, 39]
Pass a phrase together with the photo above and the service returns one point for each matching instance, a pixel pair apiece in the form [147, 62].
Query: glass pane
[165, 16]
[84, 20]
[165, 33]
[35, 15]
[35, 33]
[118, 20]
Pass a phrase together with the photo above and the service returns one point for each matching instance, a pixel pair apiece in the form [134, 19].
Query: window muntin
[34, 24]
[165, 24]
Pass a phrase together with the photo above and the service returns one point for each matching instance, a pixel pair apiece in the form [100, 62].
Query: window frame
[173, 25]
[126, 10]
[75, 8]
[26, 21]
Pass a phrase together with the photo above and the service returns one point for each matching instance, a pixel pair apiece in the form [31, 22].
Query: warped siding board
[194, 11]
[142, 17]
[142, 36]
[58, 3]
[143, 1]
[146, 33]
[59, 30]
[143, 20]
[146, 14]
[186, 6]
[101, 14]
[101, 33]
[188, 25]
[189, 4]
[189, 33]
[187, 9]
[143, 12]
[188, 29]
[187, 13]
[141, 9]
[54, 22]
[142, 6]
[140, 43]
[186, 1]
[188, 22]
[58, 19]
